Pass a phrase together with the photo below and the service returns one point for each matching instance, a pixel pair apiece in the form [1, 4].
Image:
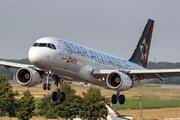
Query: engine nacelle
[118, 81]
[28, 77]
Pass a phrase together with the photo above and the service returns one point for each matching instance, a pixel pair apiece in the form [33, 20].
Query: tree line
[90, 106]
[150, 65]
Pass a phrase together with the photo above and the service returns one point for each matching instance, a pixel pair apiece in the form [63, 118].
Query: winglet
[141, 53]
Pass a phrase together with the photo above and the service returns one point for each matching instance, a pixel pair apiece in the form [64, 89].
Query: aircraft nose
[34, 55]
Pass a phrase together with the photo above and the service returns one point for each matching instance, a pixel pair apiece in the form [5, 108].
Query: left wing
[142, 74]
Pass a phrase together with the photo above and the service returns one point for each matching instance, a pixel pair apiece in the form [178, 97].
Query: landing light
[48, 72]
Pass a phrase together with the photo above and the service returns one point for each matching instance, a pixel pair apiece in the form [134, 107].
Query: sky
[110, 26]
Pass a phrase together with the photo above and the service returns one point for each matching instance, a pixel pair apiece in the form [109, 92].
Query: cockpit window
[42, 44]
[36, 44]
[53, 46]
[49, 45]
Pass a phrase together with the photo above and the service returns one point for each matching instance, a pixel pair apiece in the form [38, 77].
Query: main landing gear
[58, 82]
[58, 94]
[117, 97]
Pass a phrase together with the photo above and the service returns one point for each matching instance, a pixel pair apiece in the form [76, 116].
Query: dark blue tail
[141, 53]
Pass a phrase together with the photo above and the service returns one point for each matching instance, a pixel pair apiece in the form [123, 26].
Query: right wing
[8, 65]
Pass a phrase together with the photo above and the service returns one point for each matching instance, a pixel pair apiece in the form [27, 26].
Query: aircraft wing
[142, 74]
[8, 65]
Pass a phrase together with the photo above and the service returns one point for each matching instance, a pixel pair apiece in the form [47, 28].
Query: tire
[49, 86]
[54, 96]
[114, 99]
[44, 86]
[62, 96]
[121, 99]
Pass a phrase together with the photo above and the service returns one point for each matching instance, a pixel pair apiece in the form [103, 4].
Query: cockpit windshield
[36, 44]
[49, 45]
[42, 44]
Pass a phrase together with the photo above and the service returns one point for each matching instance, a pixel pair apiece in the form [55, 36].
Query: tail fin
[141, 53]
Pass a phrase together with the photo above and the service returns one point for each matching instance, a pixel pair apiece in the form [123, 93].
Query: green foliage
[7, 97]
[37, 101]
[44, 105]
[147, 104]
[92, 105]
[26, 106]
[67, 109]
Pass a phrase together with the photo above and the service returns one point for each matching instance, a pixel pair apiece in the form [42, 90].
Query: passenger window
[36, 44]
[42, 44]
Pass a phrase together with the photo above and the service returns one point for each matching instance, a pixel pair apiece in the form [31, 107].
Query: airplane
[62, 60]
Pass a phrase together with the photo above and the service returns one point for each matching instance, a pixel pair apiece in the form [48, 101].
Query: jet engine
[28, 77]
[118, 81]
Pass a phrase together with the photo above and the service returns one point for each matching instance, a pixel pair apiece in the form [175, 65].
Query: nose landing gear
[47, 85]
[115, 98]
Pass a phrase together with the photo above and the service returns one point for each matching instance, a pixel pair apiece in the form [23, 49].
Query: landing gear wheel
[121, 99]
[49, 86]
[114, 99]
[58, 94]
[62, 96]
[54, 96]
[44, 86]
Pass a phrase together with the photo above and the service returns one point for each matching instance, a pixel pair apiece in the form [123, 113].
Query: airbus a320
[62, 60]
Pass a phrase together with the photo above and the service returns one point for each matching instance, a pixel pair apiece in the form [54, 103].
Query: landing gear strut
[47, 85]
[115, 98]
[58, 94]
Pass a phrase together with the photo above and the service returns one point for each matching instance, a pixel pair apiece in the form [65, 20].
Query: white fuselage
[72, 62]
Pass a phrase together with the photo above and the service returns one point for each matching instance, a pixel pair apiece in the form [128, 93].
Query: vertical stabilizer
[141, 53]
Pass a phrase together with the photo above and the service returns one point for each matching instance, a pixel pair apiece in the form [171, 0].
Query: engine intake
[28, 77]
[118, 81]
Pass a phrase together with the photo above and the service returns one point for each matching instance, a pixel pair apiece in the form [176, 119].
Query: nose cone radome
[34, 56]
